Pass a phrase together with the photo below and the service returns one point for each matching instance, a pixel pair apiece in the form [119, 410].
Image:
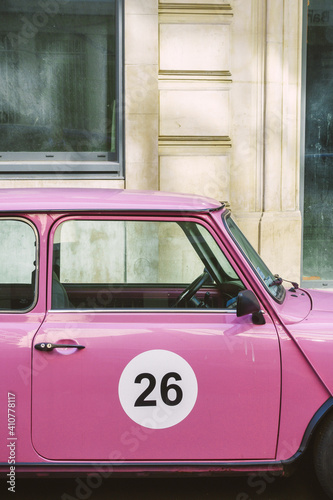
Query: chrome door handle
[47, 346]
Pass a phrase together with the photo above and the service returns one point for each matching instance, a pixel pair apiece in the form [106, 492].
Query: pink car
[140, 332]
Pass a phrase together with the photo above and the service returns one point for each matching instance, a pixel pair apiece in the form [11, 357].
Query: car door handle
[47, 346]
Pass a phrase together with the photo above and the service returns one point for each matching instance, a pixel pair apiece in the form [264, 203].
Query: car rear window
[18, 265]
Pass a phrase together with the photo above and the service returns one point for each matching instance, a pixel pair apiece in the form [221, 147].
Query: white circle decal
[158, 389]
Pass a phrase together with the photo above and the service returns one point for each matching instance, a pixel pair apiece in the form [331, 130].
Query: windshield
[277, 291]
[210, 253]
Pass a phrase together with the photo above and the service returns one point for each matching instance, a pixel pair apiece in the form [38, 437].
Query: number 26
[165, 388]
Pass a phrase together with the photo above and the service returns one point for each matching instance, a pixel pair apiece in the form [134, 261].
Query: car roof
[88, 199]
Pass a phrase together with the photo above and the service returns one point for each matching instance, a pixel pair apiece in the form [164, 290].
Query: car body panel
[314, 336]
[295, 308]
[15, 347]
[92, 200]
[77, 394]
[302, 394]
[258, 386]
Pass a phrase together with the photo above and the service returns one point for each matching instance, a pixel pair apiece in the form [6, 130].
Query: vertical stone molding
[141, 94]
[265, 110]
[280, 229]
[247, 105]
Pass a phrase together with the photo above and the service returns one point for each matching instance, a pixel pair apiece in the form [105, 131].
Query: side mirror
[247, 303]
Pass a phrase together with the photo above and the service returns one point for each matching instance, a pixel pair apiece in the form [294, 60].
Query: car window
[139, 264]
[18, 265]
[269, 280]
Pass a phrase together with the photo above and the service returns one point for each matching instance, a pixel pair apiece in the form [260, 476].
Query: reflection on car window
[262, 270]
[18, 265]
[139, 264]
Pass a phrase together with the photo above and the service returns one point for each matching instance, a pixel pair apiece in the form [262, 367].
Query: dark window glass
[58, 83]
[318, 169]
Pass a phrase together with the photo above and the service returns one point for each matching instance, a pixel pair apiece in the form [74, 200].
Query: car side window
[101, 264]
[18, 265]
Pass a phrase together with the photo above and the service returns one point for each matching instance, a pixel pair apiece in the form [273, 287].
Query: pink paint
[257, 385]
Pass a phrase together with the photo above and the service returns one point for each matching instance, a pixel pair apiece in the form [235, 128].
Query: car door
[22, 309]
[135, 371]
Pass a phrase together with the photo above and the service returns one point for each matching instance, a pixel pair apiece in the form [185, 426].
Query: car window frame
[260, 280]
[37, 264]
[196, 218]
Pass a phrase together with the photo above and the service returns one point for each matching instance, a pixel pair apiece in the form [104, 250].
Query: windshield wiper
[278, 281]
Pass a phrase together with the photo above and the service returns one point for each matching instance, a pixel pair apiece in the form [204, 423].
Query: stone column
[247, 111]
[280, 228]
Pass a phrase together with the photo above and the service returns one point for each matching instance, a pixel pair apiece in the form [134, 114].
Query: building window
[318, 159]
[60, 86]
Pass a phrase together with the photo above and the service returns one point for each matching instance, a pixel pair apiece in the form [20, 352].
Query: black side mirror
[247, 303]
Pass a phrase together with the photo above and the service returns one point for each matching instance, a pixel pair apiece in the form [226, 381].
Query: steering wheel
[192, 288]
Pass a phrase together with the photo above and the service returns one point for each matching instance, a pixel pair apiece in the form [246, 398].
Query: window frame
[280, 288]
[151, 218]
[305, 283]
[37, 251]
[77, 165]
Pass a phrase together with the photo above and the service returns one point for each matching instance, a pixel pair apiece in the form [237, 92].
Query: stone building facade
[212, 105]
